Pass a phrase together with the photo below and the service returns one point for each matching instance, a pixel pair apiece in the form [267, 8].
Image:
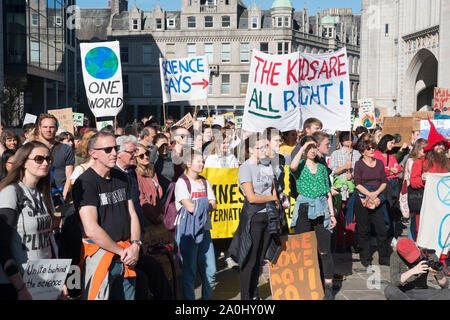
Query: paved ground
[357, 283]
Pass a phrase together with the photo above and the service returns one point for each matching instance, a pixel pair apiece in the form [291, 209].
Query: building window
[147, 84]
[191, 50]
[158, 24]
[171, 23]
[225, 21]
[264, 47]
[244, 83]
[58, 21]
[254, 22]
[170, 50]
[386, 30]
[279, 22]
[210, 86]
[124, 53]
[209, 52]
[34, 19]
[191, 22]
[135, 24]
[225, 89]
[35, 51]
[287, 22]
[245, 52]
[226, 52]
[283, 47]
[147, 53]
[125, 83]
[208, 22]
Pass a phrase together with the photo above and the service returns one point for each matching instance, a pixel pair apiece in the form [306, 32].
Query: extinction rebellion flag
[102, 75]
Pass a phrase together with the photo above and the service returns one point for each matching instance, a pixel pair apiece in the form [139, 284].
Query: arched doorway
[420, 81]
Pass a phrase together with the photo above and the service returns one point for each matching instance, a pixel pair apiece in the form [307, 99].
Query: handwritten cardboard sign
[442, 126]
[380, 113]
[366, 111]
[184, 79]
[296, 274]
[442, 99]
[399, 127]
[65, 118]
[45, 278]
[186, 122]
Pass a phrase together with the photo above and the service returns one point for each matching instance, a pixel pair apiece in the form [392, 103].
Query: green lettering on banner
[264, 116]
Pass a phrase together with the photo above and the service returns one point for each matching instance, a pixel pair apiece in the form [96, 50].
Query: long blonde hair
[145, 171]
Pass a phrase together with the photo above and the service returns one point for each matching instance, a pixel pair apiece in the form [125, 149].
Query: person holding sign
[314, 209]
[26, 221]
[258, 223]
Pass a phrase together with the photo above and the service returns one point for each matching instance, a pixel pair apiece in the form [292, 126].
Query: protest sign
[78, 119]
[238, 122]
[102, 124]
[29, 118]
[442, 126]
[45, 278]
[229, 116]
[184, 79]
[230, 200]
[102, 75]
[186, 122]
[434, 231]
[218, 119]
[65, 118]
[380, 113]
[399, 127]
[366, 111]
[442, 99]
[296, 275]
[272, 93]
[324, 91]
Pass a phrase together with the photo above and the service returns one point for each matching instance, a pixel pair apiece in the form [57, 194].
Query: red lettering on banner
[290, 74]
[274, 74]
[309, 70]
[257, 66]
[266, 71]
[341, 64]
[315, 62]
[333, 66]
[324, 69]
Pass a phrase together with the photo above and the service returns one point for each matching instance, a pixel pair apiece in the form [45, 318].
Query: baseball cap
[408, 250]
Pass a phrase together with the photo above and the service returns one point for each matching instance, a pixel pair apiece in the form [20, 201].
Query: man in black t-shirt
[111, 230]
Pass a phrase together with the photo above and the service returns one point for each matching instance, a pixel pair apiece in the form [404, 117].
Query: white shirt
[217, 161]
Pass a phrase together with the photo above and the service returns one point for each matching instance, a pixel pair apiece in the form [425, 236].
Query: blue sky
[312, 5]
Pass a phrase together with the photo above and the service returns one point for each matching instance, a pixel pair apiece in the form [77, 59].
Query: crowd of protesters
[109, 186]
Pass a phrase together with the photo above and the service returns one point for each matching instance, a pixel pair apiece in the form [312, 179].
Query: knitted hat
[434, 138]
[408, 250]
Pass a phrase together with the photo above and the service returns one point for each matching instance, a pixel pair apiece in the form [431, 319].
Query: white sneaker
[231, 263]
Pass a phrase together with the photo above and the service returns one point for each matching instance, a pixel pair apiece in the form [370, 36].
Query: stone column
[444, 46]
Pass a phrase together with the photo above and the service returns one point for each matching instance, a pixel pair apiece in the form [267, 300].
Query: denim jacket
[317, 207]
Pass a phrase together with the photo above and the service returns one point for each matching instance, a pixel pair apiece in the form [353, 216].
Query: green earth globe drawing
[101, 63]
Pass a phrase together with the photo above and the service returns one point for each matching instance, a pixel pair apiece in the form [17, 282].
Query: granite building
[405, 52]
[225, 31]
[39, 57]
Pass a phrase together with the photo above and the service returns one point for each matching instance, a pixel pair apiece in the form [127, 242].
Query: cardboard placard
[65, 118]
[29, 118]
[186, 122]
[442, 127]
[400, 127]
[229, 116]
[380, 113]
[296, 274]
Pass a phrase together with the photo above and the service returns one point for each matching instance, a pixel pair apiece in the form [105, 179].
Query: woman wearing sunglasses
[26, 219]
[370, 182]
[150, 190]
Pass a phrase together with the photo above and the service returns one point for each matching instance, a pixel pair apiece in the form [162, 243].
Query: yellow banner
[225, 219]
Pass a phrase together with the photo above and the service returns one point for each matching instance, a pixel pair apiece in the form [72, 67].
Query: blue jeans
[121, 288]
[203, 253]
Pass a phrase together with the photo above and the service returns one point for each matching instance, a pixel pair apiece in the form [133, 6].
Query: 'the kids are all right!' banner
[102, 75]
[285, 90]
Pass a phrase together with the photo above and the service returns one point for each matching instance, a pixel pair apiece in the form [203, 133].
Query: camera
[425, 255]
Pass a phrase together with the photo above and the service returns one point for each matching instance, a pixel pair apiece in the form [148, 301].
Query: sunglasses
[370, 148]
[40, 159]
[143, 155]
[108, 149]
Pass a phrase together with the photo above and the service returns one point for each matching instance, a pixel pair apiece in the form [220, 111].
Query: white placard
[102, 75]
[185, 79]
[272, 93]
[434, 230]
[102, 124]
[29, 118]
[324, 91]
[45, 278]
[366, 111]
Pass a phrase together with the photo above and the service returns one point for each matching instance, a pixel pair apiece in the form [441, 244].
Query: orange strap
[89, 249]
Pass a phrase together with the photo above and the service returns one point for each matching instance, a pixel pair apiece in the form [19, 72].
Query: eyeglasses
[108, 149]
[370, 148]
[40, 159]
[143, 155]
[131, 152]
